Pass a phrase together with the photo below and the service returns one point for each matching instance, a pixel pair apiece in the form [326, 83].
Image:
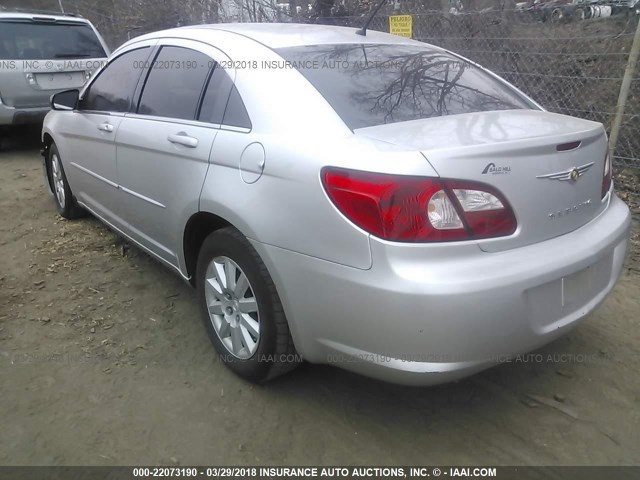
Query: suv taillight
[418, 209]
[606, 177]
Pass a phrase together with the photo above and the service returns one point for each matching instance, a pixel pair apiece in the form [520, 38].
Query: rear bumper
[426, 315]
[23, 115]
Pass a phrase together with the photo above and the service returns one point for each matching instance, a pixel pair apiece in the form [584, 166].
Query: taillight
[418, 209]
[606, 177]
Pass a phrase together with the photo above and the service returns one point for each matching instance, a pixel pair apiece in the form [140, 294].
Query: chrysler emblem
[574, 174]
[571, 175]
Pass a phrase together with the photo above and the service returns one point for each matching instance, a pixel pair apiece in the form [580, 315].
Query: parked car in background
[552, 10]
[367, 201]
[576, 10]
[40, 55]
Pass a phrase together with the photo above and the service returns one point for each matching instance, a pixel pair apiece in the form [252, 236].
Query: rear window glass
[369, 84]
[39, 41]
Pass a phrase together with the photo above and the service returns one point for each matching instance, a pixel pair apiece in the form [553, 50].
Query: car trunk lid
[31, 83]
[41, 55]
[528, 155]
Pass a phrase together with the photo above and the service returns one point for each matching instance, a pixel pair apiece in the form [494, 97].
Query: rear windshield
[373, 84]
[26, 40]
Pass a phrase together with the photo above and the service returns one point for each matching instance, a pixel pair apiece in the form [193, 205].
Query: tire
[580, 14]
[557, 15]
[247, 326]
[65, 201]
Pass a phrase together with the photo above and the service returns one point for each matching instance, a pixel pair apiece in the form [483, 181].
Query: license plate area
[577, 288]
[58, 80]
[558, 299]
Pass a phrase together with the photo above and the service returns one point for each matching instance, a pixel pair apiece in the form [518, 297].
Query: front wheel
[65, 202]
[241, 309]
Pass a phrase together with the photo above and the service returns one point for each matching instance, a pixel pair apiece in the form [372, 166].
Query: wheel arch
[199, 226]
[47, 141]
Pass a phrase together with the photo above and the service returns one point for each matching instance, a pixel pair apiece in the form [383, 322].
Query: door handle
[105, 127]
[181, 138]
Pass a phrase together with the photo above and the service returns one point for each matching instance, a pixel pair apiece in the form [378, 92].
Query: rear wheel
[65, 202]
[241, 308]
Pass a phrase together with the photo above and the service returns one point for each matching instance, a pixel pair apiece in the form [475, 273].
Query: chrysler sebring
[367, 201]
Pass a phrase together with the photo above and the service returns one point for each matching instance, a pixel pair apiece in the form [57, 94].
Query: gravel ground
[104, 361]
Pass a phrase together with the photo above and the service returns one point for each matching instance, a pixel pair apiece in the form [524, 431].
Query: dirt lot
[104, 361]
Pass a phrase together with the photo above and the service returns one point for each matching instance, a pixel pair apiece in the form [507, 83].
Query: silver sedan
[371, 202]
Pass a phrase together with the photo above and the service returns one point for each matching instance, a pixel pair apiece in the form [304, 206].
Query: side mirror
[67, 100]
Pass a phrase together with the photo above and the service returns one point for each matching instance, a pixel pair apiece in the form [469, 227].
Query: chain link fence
[569, 57]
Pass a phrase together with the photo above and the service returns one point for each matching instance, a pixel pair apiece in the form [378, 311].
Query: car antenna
[363, 30]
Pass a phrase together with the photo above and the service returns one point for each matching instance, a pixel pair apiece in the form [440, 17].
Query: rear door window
[175, 83]
[215, 97]
[113, 89]
[222, 103]
[235, 114]
[369, 84]
[28, 40]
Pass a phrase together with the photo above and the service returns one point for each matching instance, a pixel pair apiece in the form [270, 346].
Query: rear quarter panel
[300, 133]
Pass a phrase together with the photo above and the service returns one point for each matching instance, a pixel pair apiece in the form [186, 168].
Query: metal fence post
[624, 91]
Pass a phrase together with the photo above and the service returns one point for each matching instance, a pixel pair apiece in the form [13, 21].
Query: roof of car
[279, 35]
[41, 16]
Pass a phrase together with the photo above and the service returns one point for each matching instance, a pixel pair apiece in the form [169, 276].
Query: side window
[215, 97]
[175, 83]
[113, 90]
[222, 103]
[236, 114]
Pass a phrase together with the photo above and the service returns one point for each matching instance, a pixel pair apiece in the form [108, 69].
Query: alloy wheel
[232, 306]
[58, 180]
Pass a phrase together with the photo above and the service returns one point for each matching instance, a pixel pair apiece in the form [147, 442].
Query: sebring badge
[570, 175]
[568, 211]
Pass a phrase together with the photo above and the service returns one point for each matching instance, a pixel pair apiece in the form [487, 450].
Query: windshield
[26, 40]
[368, 84]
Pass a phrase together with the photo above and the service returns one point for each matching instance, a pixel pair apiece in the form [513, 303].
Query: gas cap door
[252, 162]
